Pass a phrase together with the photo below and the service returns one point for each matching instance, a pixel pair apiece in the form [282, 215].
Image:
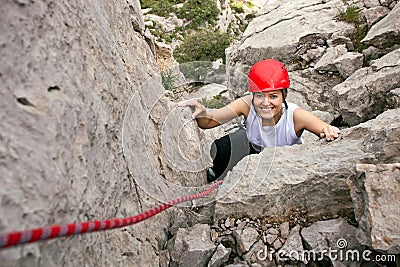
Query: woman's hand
[198, 109]
[329, 132]
[210, 118]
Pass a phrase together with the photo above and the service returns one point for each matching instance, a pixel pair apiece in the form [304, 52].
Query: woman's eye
[259, 96]
[274, 96]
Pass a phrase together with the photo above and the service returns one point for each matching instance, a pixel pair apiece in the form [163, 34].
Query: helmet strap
[284, 92]
[252, 102]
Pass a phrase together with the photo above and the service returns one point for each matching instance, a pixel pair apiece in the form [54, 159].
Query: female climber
[269, 119]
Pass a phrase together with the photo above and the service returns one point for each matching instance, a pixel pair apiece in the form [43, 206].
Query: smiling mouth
[265, 109]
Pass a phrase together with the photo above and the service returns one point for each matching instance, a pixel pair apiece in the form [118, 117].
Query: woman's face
[268, 105]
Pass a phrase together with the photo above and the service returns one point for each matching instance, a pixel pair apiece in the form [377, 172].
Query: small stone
[273, 231]
[284, 227]
[245, 239]
[277, 244]
[271, 238]
[293, 243]
[220, 256]
[241, 226]
[227, 222]
[228, 232]
[214, 235]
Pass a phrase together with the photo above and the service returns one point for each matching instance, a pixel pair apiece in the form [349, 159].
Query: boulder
[348, 63]
[245, 239]
[363, 95]
[386, 32]
[333, 239]
[326, 61]
[372, 15]
[192, 245]
[375, 193]
[293, 247]
[284, 229]
[310, 178]
[221, 255]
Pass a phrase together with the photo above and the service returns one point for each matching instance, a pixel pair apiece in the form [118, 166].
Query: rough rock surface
[67, 73]
[333, 235]
[293, 243]
[363, 95]
[192, 245]
[220, 256]
[262, 185]
[284, 30]
[375, 192]
[88, 133]
[385, 33]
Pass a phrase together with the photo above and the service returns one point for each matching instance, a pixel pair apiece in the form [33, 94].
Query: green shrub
[359, 34]
[160, 7]
[204, 45]
[196, 71]
[199, 12]
[237, 7]
[352, 15]
[168, 80]
[213, 103]
[250, 16]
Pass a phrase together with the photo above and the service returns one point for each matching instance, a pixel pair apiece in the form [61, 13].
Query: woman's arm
[207, 119]
[306, 120]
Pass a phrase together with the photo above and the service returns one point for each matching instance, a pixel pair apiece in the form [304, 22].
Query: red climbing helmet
[268, 75]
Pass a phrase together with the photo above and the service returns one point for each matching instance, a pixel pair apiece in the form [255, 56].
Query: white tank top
[281, 134]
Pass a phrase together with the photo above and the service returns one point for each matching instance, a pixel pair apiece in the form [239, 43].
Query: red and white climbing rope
[29, 236]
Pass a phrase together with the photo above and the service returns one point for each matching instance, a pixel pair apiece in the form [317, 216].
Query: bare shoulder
[299, 113]
[301, 118]
[304, 119]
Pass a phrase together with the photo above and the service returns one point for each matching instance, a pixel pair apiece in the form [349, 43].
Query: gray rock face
[386, 32]
[293, 243]
[375, 192]
[68, 71]
[326, 61]
[371, 3]
[284, 30]
[363, 95]
[192, 245]
[245, 239]
[264, 186]
[372, 15]
[88, 133]
[220, 256]
[312, 88]
[330, 237]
